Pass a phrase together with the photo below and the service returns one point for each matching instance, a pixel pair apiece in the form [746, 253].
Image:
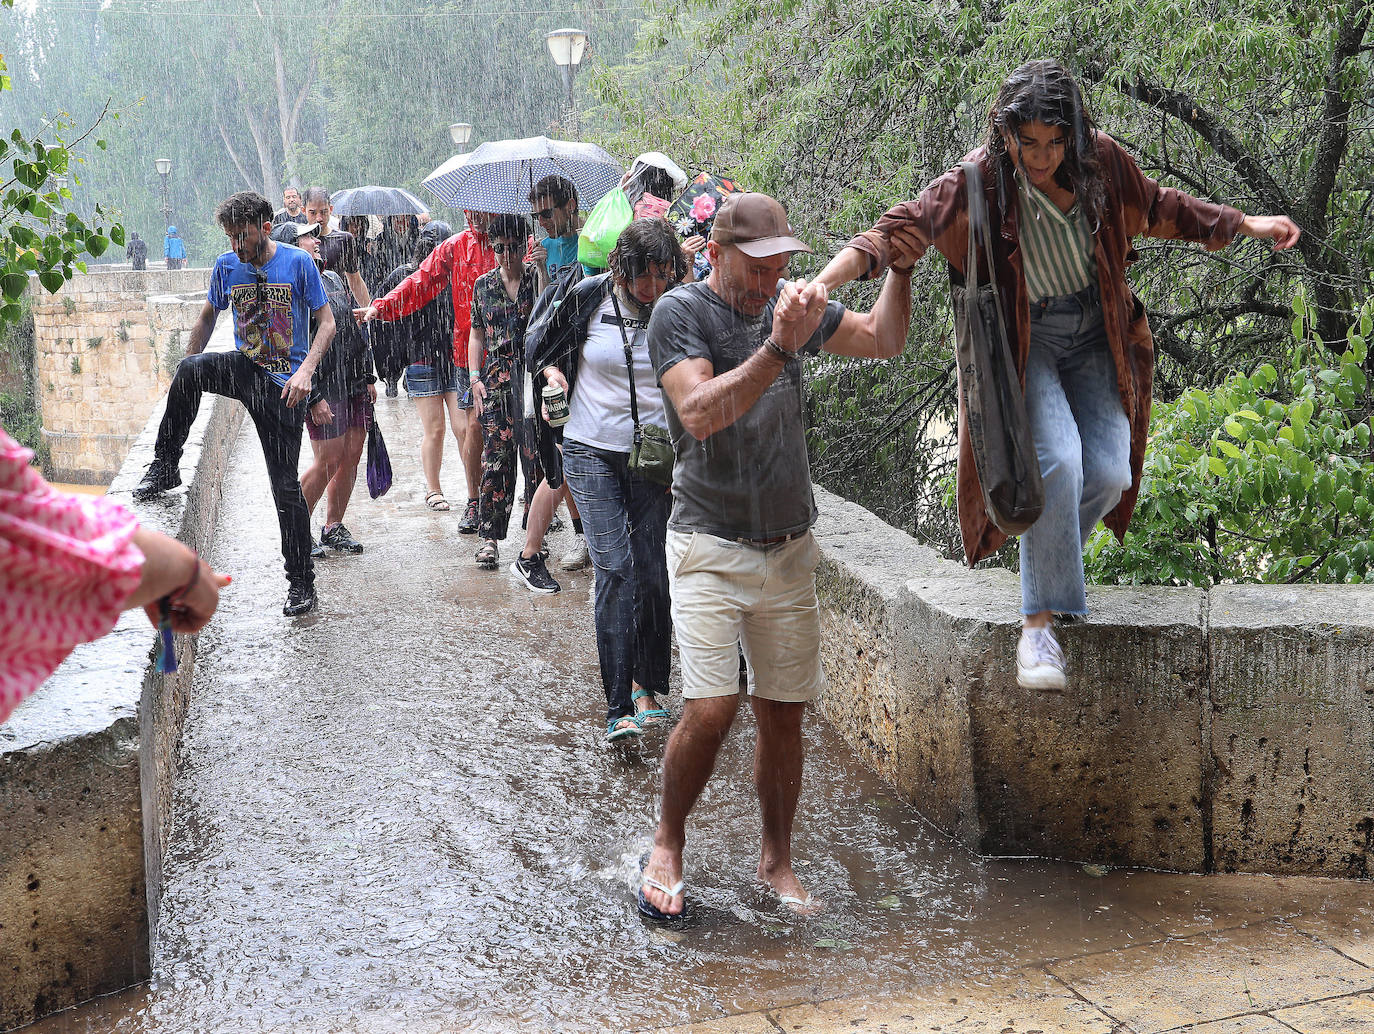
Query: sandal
[436, 501]
[487, 555]
[650, 717]
[616, 731]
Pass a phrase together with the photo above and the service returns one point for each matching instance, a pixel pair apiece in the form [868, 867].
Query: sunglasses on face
[545, 213]
[500, 247]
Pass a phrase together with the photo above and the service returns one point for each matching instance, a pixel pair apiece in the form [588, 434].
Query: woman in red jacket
[1065, 201]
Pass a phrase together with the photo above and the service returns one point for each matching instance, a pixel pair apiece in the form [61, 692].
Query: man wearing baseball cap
[741, 556]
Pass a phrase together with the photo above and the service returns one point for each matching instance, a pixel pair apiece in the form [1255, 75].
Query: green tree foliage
[254, 94]
[42, 234]
[842, 109]
[1267, 477]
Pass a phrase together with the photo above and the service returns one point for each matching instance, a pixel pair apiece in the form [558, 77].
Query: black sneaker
[534, 574]
[337, 537]
[160, 477]
[391, 389]
[317, 549]
[300, 600]
[556, 524]
[468, 525]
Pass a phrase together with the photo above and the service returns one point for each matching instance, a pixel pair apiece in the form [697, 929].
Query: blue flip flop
[647, 910]
[628, 732]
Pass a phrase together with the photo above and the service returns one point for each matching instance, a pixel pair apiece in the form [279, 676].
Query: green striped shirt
[1056, 247]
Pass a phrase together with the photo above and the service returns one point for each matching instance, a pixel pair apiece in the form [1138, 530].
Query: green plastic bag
[602, 229]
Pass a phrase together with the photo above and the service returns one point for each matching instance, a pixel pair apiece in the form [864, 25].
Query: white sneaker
[576, 558]
[1039, 660]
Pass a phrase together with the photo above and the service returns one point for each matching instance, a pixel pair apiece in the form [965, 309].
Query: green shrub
[1266, 478]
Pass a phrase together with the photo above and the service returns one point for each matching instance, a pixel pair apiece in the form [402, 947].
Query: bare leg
[539, 515]
[328, 457]
[469, 433]
[342, 480]
[431, 410]
[687, 764]
[778, 757]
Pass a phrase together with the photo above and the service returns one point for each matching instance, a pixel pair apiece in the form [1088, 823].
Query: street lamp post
[164, 169]
[460, 133]
[568, 46]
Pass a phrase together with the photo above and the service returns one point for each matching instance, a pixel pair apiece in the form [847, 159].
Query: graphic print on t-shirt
[265, 329]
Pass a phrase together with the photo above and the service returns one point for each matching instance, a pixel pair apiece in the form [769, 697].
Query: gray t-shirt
[751, 479]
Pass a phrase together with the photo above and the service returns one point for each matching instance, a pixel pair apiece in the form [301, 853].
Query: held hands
[366, 314]
[320, 413]
[798, 313]
[1278, 228]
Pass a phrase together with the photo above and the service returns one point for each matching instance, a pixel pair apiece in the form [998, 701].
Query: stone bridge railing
[106, 345]
[1222, 730]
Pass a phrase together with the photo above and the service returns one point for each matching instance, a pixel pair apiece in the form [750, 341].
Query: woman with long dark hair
[1065, 201]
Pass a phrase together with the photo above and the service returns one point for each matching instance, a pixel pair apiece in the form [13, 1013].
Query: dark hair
[508, 227]
[246, 208]
[360, 221]
[658, 182]
[315, 194]
[430, 237]
[1043, 91]
[644, 243]
[558, 189]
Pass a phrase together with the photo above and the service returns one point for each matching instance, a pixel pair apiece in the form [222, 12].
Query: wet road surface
[397, 813]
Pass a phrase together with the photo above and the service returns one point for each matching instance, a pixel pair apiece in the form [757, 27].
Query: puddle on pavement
[397, 814]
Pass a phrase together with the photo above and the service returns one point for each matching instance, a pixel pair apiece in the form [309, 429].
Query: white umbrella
[497, 177]
[372, 200]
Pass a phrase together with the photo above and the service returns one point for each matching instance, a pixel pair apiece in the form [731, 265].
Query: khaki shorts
[727, 594]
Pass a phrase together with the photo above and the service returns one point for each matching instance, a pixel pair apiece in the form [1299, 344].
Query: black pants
[235, 376]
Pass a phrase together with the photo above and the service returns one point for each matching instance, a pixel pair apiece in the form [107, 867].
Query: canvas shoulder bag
[999, 430]
[651, 450]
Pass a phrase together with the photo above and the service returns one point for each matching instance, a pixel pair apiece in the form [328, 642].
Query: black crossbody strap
[629, 362]
[979, 225]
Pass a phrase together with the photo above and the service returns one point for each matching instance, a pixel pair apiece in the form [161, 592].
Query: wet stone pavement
[397, 814]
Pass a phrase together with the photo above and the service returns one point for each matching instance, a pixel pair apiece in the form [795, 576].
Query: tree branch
[1334, 137]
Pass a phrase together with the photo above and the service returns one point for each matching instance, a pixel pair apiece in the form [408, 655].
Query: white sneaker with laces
[576, 558]
[1039, 660]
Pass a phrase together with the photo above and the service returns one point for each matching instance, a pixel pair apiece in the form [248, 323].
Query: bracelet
[902, 272]
[777, 351]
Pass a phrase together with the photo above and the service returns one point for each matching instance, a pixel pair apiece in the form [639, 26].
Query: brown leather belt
[772, 541]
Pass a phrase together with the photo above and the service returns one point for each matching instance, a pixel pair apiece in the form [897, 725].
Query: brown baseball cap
[756, 224]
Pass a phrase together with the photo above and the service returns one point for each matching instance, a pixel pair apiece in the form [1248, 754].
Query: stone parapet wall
[86, 766]
[1228, 730]
[106, 347]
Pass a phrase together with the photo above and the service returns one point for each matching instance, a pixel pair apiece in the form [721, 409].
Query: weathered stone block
[1293, 728]
[1111, 769]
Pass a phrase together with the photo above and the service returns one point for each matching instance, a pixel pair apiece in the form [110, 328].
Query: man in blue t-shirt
[273, 289]
[553, 201]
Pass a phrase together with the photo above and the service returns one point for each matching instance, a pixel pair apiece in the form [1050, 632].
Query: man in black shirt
[291, 212]
[338, 248]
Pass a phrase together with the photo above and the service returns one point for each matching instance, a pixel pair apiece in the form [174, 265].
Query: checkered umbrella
[376, 201]
[497, 177]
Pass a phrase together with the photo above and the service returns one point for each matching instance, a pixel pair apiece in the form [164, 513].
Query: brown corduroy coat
[1135, 205]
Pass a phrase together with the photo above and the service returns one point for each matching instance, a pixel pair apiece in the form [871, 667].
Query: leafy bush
[1268, 477]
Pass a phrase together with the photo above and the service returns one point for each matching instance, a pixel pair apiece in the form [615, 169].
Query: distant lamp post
[461, 132]
[164, 169]
[568, 47]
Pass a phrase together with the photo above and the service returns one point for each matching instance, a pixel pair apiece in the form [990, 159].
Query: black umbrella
[381, 201]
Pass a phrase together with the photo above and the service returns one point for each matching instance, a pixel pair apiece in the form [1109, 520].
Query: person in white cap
[741, 557]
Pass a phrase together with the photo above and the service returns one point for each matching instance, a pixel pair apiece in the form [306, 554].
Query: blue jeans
[625, 519]
[1083, 440]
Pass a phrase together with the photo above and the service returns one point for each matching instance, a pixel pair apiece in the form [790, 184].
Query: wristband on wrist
[902, 272]
[777, 351]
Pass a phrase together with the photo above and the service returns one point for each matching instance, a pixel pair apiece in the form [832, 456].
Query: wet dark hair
[558, 189]
[508, 227]
[430, 237]
[1044, 91]
[658, 182]
[246, 208]
[314, 194]
[348, 223]
[645, 243]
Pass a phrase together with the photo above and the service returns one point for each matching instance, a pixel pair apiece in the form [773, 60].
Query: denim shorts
[423, 380]
[347, 413]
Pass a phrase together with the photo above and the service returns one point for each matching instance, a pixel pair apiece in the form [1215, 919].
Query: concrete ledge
[85, 773]
[1229, 730]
